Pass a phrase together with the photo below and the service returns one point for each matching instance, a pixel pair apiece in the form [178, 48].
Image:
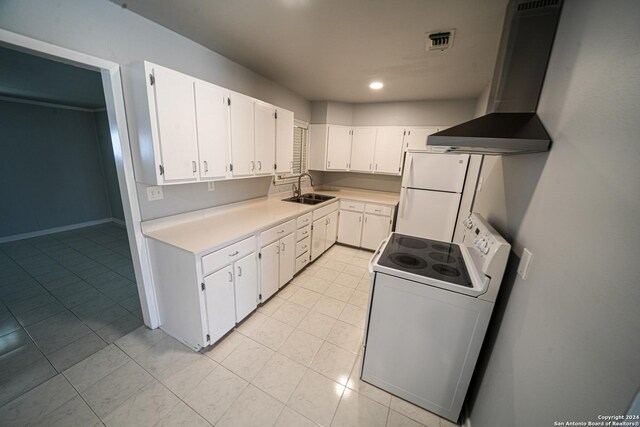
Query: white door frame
[114, 98]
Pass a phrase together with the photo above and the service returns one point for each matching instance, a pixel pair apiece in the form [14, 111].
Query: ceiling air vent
[440, 40]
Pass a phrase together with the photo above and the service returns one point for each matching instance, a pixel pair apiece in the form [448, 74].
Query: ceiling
[30, 77]
[332, 49]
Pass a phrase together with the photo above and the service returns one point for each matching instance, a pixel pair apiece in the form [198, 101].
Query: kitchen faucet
[297, 192]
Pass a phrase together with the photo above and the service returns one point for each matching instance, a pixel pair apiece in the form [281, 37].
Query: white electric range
[429, 308]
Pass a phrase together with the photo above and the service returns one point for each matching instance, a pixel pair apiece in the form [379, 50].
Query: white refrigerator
[432, 187]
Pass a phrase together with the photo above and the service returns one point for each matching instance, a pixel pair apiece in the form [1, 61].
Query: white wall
[565, 343]
[414, 113]
[409, 113]
[105, 30]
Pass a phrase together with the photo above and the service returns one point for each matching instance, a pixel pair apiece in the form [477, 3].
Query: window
[300, 153]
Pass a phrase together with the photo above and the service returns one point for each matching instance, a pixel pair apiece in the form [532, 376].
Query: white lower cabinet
[287, 259]
[277, 264]
[269, 266]
[350, 229]
[364, 225]
[246, 285]
[201, 297]
[220, 301]
[318, 237]
[277, 258]
[375, 229]
[324, 233]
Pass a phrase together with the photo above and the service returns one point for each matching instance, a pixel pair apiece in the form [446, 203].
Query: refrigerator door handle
[404, 201]
[407, 171]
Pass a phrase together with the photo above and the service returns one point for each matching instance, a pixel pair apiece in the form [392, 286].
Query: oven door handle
[376, 254]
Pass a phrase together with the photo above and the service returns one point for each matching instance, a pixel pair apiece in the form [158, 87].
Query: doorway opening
[71, 276]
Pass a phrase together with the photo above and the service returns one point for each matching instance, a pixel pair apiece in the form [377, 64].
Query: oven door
[422, 342]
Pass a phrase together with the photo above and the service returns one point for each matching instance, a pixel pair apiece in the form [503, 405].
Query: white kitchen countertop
[201, 231]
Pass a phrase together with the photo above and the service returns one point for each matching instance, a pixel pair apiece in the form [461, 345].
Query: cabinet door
[220, 301]
[212, 115]
[242, 134]
[176, 115]
[363, 146]
[284, 141]
[246, 276]
[265, 138]
[338, 148]
[318, 237]
[416, 138]
[374, 230]
[287, 258]
[388, 155]
[269, 266]
[332, 229]
[350, 228]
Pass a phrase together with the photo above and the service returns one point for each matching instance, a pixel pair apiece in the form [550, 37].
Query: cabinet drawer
[325, 210]
[348, 205]
[302, 261]
[302, 246]
[274, 233]
[378, 209]
[303, 233]
[220, 258]
[303, 220]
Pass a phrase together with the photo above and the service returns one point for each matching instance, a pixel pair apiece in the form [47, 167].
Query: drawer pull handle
[239, 271]
[230, 276]
[234, 254]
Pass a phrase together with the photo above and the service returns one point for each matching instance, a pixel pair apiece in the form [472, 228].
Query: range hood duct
[512, 125]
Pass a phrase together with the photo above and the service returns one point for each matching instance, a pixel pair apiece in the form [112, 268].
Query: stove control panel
[490, 248]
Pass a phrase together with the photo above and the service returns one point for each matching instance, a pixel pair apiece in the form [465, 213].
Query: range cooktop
[425, 257]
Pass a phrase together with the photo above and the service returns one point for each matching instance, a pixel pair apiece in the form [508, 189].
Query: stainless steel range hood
[512, 126]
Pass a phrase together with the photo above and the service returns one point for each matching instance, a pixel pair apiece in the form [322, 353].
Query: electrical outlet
[525, 263]
[211, 185]
[154, 193]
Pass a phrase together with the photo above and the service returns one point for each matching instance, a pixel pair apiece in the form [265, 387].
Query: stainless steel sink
[303, 200]
[315, 196]
[309, 199]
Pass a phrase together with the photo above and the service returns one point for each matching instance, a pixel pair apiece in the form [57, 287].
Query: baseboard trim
[119, 222]
[55, 230]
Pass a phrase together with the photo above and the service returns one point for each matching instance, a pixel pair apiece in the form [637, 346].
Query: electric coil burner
[428, 258]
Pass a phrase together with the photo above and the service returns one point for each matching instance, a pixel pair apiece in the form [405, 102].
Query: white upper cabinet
[415, 138]
[363, 147]
[388, 152]
[212, 114]
[284, 141]
[338, 147]
[265, 138]
[189, 130]
[242, 135]
[175, 128]
[165, 147]
[329, 147]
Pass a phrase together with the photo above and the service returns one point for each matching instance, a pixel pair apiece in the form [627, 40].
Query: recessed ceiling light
[376, 85]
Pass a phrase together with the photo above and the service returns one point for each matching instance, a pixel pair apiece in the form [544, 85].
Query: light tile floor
[294, 362]
[64, 297]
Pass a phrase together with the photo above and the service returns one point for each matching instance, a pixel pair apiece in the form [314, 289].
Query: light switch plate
[211, 185]
[525, 263]
[154, 193]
